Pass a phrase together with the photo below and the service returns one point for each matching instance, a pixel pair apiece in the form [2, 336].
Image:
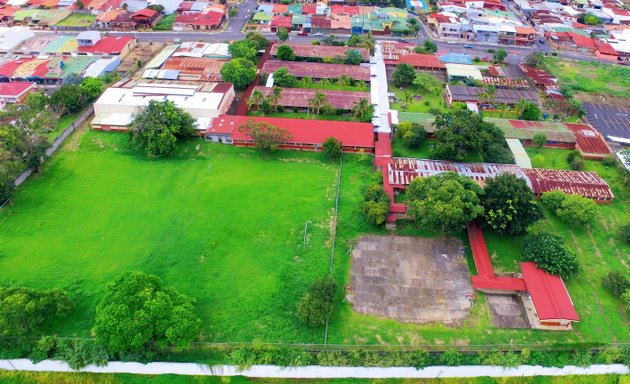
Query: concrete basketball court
[411, 279]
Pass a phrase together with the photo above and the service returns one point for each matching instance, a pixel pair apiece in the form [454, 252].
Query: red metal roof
[304, 131]
[605, 49]
[318, 70]
[197, 18]
[147, 12]
[588, 139]
[15, 88]
[549, 294]
[587, 184]
[309, 9]
[300, 97]
[281, 21]
[419, 60]
[8, 69]
[109, 45]
[336, 9]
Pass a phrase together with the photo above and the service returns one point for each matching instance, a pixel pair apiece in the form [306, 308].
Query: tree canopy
[282, 78]
[68, 99]
[156, 127]
[531, 112]
[332, 147]
[427, 82]
[375, 204]
[283, 34]
[242, 49]
[285, 53]
[411, 134]
[539, 140]
[240, 72]
[138, 313]
[445, 202]
[462, 133]
[23, 311]
[353, 57]
[266, 137]
[573, 209]
[316, 305]
[259, 42]
[509, 205]
[92, 87]
[549, 252]
[403, 75]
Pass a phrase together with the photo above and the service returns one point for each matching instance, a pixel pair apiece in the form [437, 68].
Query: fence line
[57, 142]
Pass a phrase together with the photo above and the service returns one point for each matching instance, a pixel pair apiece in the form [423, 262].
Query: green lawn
[77, 20]
[7, 377]
[591, 76]
[166, 24]
[428, 102]
[222, 224]
[63, 123]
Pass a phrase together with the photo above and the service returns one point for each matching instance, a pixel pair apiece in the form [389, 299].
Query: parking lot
[611, 121]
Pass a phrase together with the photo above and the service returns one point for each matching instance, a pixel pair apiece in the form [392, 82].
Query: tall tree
[68, 99]
[138, 313]
[285, 53]
[353, 57]
[282, 34]
[275, 97]
[92, 87]
[531, 112]
[363, 110]
[426, 82]
[282, 78]
[258, 41]
[403, 75]
[445, 202]
[23, 311]
[316, 103]
[266, 137]
[255, 99]
[509, 205]
[411, 134]
[240, 72]
[157, 127]
[242, 49]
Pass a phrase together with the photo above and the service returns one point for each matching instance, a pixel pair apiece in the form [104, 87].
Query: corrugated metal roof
[518, 151]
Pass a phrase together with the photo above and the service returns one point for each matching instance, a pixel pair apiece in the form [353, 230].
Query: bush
[375, 204]
[81, 353]
[411, 134]
[610, 355]
[502, 359]
[332, 148]
[577, 164]
[616, 283]
[316, 305]
[609, 161]
[625, 232]
[451, 357]
[571, 208]
[574, 154]
[44, 349]
[626, 297]
[549, 252]
[553, 199]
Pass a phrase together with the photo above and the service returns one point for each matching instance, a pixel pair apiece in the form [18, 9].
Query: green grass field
[222, 224]
[591, 76]
[77, 20]
[428, 102]
[7, 377]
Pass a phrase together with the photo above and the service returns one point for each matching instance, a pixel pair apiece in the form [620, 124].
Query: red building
[146, 18]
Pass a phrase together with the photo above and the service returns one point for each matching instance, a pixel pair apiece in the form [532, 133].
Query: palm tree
[520, 107]
[256, 98]
[275, 96]
[344, 80]
[363, 110]
[317, 102]
[368, 42]
[407, 98]
[503, 108]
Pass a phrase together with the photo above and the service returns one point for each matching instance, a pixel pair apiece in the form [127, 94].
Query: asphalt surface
[609, 120]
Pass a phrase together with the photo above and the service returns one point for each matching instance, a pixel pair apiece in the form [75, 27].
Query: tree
[283, 34]
[68, 99]
[353, 57]
[375, 204]
[577, 164]
[255, 99]
[36, 101]
[403, 75]
[553, 199]
[549, 252]
[509, 205]
[282, 78]
[500, 55]
[445, 202]
[577, 209]
[138, 313]
[427, 47]
[258, 41]
[363, 110]
[616, 283]
[8, 172]
[535, 59]
[233, 11]
[625, 232]
[316, 305]
[92, 87]
[242, 49]
[23, 311]
[531, 112]
[157, 126]
[285, 52]
[411, 134]
[275, 97]
[156, 7]
[332, 148]
[407, 98]
[426, 82]
[240, 72]
[266, 137]
[589, 19]
[539, 139]
[345, 80]
[316, 103]
[79, 4]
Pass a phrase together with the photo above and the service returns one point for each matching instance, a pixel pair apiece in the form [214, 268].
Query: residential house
[146, 18]
[197, 21]
[445, 25]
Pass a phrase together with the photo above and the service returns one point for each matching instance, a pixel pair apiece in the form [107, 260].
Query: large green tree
[509, 205]
[242, 49]
[353, 57]
[531, 112]
[23, 311]
[68, 99]
[375, 204]
[283, 34]
[445, 202]
[403, 75]
[427, 82]
[240, 72]
[91, 87]
[156, 127]
[550, 253]
[411, 134]
[282, 78]
[285, 52]
[266, 137]
[363, 110]
[258, 41]
[138, 313]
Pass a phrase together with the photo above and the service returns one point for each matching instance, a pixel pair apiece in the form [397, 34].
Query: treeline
[25, 129]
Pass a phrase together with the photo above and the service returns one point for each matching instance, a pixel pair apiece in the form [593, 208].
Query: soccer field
[221, 224]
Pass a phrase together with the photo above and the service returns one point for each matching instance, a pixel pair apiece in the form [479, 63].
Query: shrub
[503, 359]
[44, 349]
[577, 164]
[539, 139]
[609, 161]
[570, 208]
[376, 212]
[574, 154]
[451, 357]
[81, 353]
[316, 305]
[420, 358]
[549, 252]
[582, 358]
[616, 283]
[611, 355]
[411, 134]
[553, 199]
[626, 297]
[332, 148]
[625, 232]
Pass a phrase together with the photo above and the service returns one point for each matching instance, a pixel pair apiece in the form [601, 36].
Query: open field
[166, 24]
[591, 76]
[77, 20]
[222, 224]
[7, 377]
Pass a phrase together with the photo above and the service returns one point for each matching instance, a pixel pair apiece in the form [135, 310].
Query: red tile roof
[281, 21]
[549, 294]
[605, 49]
[145, 13]
[197, 18]
[422, 61]
[309, 9]
[300, 97]
[8, 11]
[280, 8]
[303, 131]
[109, 45]
[15, 88]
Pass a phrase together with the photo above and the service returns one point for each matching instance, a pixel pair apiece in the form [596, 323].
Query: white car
[318, 34]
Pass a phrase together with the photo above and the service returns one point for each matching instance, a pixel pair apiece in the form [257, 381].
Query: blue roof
[456, 58]
[265, 8]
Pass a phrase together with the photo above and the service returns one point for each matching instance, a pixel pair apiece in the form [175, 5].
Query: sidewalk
[315, 372]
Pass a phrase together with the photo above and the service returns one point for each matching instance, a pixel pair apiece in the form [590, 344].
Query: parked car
[469, 46]
[318, 34]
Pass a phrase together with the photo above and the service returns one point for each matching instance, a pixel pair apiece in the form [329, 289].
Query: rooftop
[307, 50]
[300, 97]
[549, 294]
[318, 70]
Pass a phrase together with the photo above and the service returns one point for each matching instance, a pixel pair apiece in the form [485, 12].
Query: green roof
[77, 64]
[25, 13]
[261, 16]
[298, 19]
[295, 9]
